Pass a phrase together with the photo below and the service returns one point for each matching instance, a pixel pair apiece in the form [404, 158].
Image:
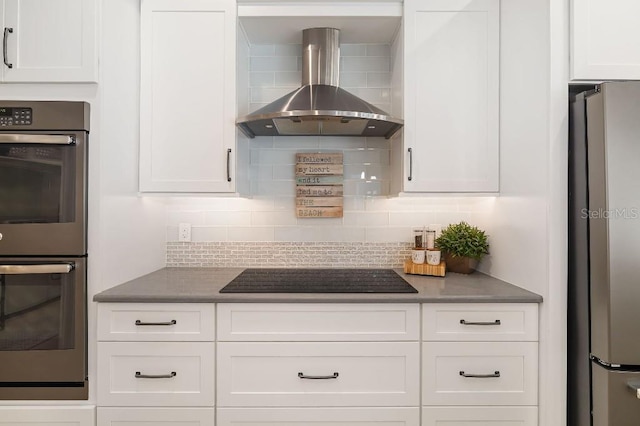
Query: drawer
[478, 373]
[318, 322]
[319, 416]
[156, 416]
[39, 415]
[156, 322]
[480, 322]
[480, 416]
[287, 374]
[185, 370]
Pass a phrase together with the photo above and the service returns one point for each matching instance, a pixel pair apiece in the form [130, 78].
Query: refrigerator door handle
[635, 385]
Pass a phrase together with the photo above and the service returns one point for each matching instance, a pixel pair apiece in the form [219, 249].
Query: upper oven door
[43, 193]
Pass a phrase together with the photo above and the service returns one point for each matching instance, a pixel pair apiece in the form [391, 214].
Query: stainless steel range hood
[319, 107]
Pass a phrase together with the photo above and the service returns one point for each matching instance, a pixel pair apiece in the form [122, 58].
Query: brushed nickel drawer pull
[172, 322]
[303, 376]
[155, 376]
[464, 322]
[481, 376]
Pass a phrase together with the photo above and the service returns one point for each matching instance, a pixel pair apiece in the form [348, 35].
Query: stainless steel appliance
[43, 250]
[604, 257]
[319, 106]
[43, 177]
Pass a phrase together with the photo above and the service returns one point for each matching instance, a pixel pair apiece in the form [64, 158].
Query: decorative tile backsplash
[288, 254]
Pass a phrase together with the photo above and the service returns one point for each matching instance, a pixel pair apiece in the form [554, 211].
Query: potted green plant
[462, 246]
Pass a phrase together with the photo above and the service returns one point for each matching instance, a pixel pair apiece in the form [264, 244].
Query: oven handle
[55, 268]
[39, 139]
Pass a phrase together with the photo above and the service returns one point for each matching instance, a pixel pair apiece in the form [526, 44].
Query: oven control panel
[15, 116]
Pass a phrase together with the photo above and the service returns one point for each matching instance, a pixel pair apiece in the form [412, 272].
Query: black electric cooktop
[282, 280]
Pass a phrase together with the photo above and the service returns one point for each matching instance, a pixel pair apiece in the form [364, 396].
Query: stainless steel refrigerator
[604, 257]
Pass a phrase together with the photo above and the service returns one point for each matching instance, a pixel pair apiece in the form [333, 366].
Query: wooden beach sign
[319, 185]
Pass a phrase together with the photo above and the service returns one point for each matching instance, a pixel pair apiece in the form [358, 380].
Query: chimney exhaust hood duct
[319, 107]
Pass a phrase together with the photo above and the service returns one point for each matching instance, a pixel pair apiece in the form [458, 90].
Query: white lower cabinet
[156, 416]
[156, 364]
[318, 416]
[47, 415]
[480, 364]
[479, 416]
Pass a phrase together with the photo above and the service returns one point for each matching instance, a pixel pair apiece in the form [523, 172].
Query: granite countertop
[202, 285]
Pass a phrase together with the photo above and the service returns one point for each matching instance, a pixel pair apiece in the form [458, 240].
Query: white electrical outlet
[184, 232]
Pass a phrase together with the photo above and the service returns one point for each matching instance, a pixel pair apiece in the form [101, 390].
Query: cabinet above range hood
[320, 107]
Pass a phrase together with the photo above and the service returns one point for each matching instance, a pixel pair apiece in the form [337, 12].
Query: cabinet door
[451, 133]
[50, 41]
[604, 40]
[187, 95]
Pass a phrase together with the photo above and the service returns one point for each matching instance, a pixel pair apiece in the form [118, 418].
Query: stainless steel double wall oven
[43, 250]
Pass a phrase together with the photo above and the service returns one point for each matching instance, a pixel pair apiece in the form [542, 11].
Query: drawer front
[127, 374]
[47, 415]
[480, 322]
[318, 322]
[477, 373]
[156, 322]
[156, 416]
[480, 416]
[318, 374]
[319, 416]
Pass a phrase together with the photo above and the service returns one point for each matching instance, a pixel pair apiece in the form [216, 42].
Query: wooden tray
[425, 268]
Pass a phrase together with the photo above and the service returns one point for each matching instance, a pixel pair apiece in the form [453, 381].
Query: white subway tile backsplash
[272, 218]
[288, 50]
[365, 64]
[262, 79]
[227, 218]
[267, 94]
[208, 233]
[252, 233]
[378, 50]
[290, 79]
[273, 63]
[347, 49]
[365, 219]
[378, 79]
[263, 231]
[349, 80]
[262, 50]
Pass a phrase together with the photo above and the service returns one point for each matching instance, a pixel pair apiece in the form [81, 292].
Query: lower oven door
[43, 328]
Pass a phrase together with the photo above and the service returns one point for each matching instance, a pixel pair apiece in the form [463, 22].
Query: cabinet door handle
[229, 165]
[410, 164]
[464, 322]
[155, 376]
[7, 31]
[481, 376]
[172, 322]
[303, 376]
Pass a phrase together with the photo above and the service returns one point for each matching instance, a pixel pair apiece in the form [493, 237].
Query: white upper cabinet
[187, 96]
[605, 40]
[451, 95]
[49, 41]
